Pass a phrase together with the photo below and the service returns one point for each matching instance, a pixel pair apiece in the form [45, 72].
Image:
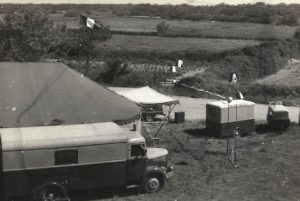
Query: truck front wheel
[153, 183]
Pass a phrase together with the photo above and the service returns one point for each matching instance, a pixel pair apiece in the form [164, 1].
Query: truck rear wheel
[52, 193]
[153, 183]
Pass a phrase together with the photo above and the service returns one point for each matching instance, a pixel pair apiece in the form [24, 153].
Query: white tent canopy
[144, 96]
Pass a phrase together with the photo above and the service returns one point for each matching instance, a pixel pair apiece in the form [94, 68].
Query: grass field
[231, 30]
[268, 168]
[190, 28]
[169, 44]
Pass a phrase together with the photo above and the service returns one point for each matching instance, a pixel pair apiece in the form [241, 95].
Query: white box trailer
[49, 161]
[223, 117]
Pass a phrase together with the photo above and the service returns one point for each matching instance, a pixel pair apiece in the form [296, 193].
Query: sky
[192, 2]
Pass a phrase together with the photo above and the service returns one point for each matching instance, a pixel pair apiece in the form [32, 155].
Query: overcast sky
[193, 2]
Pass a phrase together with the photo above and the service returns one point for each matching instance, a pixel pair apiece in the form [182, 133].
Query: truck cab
[147, 166]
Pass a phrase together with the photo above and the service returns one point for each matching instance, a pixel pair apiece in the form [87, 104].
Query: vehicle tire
[237, 132]
[52, 193]
[153, 183]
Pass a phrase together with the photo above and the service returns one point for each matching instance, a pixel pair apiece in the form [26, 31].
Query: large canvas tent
[37, 94]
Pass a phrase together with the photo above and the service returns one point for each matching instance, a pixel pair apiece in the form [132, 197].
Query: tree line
[31, 36]
[287, 14]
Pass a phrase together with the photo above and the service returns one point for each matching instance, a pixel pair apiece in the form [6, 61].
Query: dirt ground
[267, 168]
[195, 109]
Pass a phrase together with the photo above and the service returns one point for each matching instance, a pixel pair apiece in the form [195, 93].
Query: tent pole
[167, 117]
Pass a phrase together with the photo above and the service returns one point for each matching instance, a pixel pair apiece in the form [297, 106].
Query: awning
[145, 96]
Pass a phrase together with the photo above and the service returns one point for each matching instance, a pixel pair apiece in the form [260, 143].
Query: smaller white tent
[145, 96]
[151, 101]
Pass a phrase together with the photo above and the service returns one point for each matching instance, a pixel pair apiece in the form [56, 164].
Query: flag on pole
[233, 78]
[239, 95]
[88, 22]
[180, 63]
[173, 69]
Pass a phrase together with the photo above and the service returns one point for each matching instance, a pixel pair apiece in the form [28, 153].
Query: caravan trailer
[49, 161]
[223, 117]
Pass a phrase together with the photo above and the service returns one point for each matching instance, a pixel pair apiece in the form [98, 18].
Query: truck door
[136, 163]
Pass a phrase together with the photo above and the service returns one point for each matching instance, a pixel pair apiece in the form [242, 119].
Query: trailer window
[63, 157]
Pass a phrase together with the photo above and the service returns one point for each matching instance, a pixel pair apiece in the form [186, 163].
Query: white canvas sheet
[145, 96]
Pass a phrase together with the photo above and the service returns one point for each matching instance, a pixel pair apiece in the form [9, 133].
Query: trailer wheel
[153, 183]
[52, 193]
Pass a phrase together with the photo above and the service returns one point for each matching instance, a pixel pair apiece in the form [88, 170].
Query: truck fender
[154, 170]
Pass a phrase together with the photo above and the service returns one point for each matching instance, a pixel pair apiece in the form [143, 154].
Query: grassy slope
[205, 28]
[169, 44]
[230, 30]
[288, 76]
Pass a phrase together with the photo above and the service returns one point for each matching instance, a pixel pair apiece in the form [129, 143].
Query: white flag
[239, 95]
[173, 69]
[233, 78]
[180, 63]
[90, 23]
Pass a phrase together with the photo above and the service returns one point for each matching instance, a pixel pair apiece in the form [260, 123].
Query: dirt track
[195, 109]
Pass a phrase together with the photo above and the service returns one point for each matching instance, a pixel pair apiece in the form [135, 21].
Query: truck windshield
[137, 150]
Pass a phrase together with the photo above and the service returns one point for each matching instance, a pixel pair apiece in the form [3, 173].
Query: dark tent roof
[35, 94]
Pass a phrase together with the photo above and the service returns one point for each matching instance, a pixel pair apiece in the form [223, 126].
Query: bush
[289, 19]
[162, 27]
[72, 13]
[297, 34]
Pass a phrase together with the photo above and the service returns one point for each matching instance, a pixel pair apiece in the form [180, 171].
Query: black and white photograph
[139, 100]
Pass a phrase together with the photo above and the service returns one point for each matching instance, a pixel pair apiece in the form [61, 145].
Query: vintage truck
[48, 162]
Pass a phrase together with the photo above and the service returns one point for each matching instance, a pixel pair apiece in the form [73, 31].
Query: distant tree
[162, 27]
[266, 18]
[26, 34]
[289, 19]
[117, 68]
[72, 13]
[30, 36]
[297, 34]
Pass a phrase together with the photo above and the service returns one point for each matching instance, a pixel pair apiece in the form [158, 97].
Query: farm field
[167, 44]
[230, 30]
[187, 28]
